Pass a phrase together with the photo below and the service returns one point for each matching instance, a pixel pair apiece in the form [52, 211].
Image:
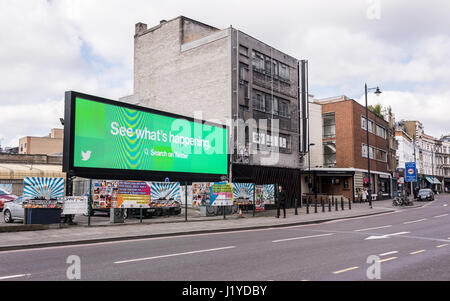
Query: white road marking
[14, 276]
[302, 237]
[411, 222]
[387, 259]
[445, 205]
[389, 253]
[386, 235]
[173, 255]
[441, 246]
[345, 270]
[382, 227]
[417, 252]
[441, 215]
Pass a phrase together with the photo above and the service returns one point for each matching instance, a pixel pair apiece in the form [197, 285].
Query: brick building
[193, 69]
[343, 170]
[48, 145]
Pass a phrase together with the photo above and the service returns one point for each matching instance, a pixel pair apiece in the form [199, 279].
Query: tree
[377, 110]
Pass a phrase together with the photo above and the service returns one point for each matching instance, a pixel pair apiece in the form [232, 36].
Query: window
[329, 125]
[364, 123]
[275, 68]
[244, 85]
[364, 150]
[268, 66]
[268, 104]
[285, 143]
[371, 152]
[283, 108]
[284, 71]
[242, 109]
[329, 153]
[243, 50]
[258, 101]
[380, 131]
[243, 69]
[370, 126]
[258, 61]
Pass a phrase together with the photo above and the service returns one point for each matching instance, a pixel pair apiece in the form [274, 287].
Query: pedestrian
[281, 201]
[364, 195]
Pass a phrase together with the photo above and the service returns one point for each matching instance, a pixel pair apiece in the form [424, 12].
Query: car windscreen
[2, 192]
[424, 192]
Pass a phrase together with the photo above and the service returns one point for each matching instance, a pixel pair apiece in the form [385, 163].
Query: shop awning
[19, 171]
[433, 180]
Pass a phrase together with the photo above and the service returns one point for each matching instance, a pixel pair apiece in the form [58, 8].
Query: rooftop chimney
[140, 28]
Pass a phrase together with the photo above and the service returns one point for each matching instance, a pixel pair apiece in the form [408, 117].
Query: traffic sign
[410, 172]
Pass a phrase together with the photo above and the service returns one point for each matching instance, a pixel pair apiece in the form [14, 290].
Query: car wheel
[7, 216]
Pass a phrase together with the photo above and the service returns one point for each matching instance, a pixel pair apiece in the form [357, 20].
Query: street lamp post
[377, 92]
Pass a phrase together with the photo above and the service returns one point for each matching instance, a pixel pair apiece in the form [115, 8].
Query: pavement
[151, 228]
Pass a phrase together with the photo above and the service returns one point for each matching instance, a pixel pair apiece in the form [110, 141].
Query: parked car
[425, 195]
[6, 197]
[14, 210]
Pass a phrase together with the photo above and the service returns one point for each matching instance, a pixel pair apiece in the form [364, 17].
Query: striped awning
[433, 180]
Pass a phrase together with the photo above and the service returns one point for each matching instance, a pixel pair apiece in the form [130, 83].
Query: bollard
[342, 203]
[335, 204]
[323, 204]
[307, 205]
[349, 204]
[296, 211]
[329, 204]
[315, 205]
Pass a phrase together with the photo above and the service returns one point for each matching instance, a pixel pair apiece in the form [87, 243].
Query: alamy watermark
[74, 270]
[374, 270]
[374, 9]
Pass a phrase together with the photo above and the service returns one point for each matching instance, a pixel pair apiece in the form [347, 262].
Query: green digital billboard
[118, 136]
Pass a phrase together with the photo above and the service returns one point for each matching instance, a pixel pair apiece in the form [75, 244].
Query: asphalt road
[410, 244]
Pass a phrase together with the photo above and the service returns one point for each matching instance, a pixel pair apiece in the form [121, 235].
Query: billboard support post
[90, 202]
[185, 202]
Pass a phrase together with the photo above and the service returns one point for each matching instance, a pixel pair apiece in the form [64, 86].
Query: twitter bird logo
[85, 155]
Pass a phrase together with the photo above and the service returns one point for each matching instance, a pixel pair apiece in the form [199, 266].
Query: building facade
[225, 76]
[344, 169]
[48, 145]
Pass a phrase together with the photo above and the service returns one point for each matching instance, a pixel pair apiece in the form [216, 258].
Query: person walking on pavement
[364, 195]
[281, 201]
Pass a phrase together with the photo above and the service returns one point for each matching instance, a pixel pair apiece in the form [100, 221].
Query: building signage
[105, 136]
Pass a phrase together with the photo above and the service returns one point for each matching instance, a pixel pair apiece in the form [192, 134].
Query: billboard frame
[124, 174]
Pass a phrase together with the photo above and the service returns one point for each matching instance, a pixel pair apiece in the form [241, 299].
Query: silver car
[14, 210]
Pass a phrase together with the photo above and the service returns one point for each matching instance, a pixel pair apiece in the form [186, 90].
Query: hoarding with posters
[221, 194]
[165, 194]
[243, 193]
[43, 188]
[106, 138]
[104, 194]
[133, 194]
[264, 195]
[201, 194]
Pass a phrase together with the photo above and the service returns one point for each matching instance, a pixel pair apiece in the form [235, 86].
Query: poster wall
[243, 193]
[43, 188]
[201, 194]
[104, 194]
[221, 194]
[133, 194]
[264, 195]
[190, 201]
[165, 194]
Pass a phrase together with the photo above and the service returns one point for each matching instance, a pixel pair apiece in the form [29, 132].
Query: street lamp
[377, 93]
[309, 166]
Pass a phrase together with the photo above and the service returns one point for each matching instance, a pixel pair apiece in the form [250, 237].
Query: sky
[49, 47]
